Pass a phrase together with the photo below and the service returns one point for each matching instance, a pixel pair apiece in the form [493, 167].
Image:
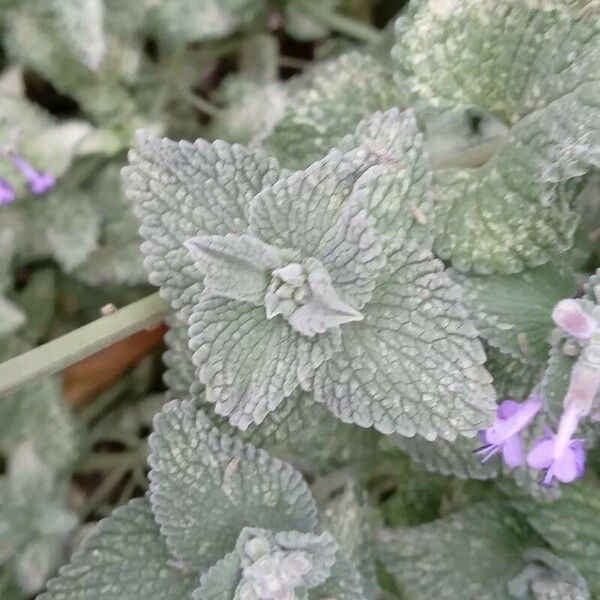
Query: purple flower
[505, 434]
[39, 182]
[570, 317]
[7, 194]
[562, 456]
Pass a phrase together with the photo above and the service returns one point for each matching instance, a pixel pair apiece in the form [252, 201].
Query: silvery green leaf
[448, 458]
[182, 190]
[82, 25]
[11, 316]
[514, 312]
[495, 55]
[34, 39]
[347, 518]
[234, 267]
[301, 25]
[221, 580]
[117, 258]
[48, 144]
[38, 301]
[206, 487]
[64, 225]
[125, 558]
[180, 372]
[548, 577]
[35, 563]
[512, 378]
[200, 20]
[344, 583]
[548, 97]
[37, 412]
[343, 92]
[413, 366]
[473, 553]
[240, 354]
[569, 526]
[475, 221]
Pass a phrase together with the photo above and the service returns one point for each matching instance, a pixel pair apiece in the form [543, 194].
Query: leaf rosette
[321, 279]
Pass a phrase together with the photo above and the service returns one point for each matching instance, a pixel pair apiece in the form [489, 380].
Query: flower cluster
[559, 454]
[38, 182]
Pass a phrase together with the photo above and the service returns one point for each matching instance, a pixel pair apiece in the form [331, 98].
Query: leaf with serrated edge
[343, 92]
[570, 526]
[206, 487]
[124, 559]
[413, 366]
[503, 65]
[473, 553]
[344, 582]
[251, 364]
[181, 190]
[514, 312]
[448, 458]
[234, 267]
[347, 518]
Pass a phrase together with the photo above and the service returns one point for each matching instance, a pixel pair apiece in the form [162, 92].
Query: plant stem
[83, 342]
[340, 23]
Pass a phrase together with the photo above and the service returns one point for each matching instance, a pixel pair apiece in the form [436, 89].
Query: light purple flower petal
[512, 451]
[570, 317]
[507, 409]
[565, 468]
[540, 456]
[39, 182]
[7, 193]
[578, 447]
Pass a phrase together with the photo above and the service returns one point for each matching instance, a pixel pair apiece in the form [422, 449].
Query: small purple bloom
[570, 317]
[39, 182]
[7, 194]
[505, 434]
[559, 454]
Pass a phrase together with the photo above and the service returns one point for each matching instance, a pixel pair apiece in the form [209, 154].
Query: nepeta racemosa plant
[321, 279]
[224, 521]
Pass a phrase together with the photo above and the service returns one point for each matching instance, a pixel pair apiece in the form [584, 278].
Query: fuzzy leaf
[514, 312]
[117, 258]
[549, 97]
[344, 583]
[342, 93]
[234, 267]
[475, 212]
[82, 25]
[11, 317]
[347, 518]
[200, 20]
[124, 559]
[240, 354]
[182, 190]
[221, 580]
[569, 525]
[473, 553]
[37, 413]
[65, 226]
[207, 487]
[413, 366]
[513, 378]
[495, 55]
[448, 458]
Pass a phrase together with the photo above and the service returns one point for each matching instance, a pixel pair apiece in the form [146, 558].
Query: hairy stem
[340, 23]
[83, 342]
